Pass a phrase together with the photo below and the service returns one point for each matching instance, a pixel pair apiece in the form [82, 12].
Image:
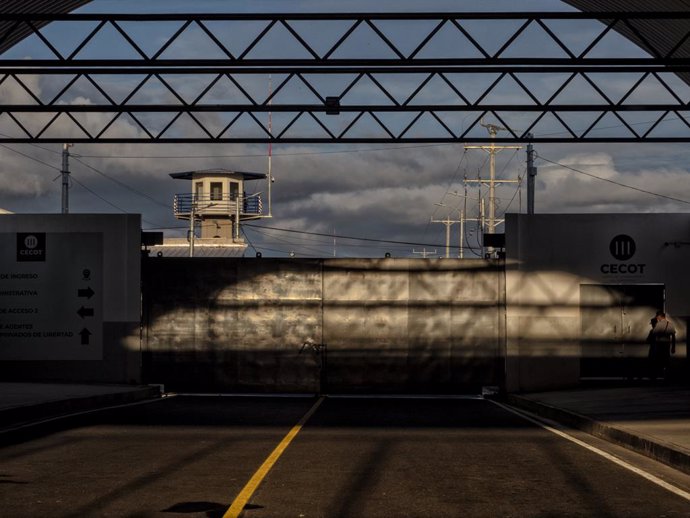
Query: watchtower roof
[189, 175]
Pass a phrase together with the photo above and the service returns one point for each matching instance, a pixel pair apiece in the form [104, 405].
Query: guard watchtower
[217, 204]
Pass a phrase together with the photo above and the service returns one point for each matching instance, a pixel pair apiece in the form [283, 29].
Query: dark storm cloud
[389, 194]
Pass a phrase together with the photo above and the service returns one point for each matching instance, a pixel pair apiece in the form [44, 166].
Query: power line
[31, 158]
[614, 126]
[120, 183]
[264, 154]
[450, 184]
[519, 186]
[36, 145]
[248, 240]
[293, 245]
[354, 238]
[106, 201]
[98, 195]
[58, 169]
[614, 182]
[81, 183]
[320, 241]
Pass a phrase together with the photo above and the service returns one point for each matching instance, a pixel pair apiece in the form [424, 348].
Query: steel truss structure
[345, 78]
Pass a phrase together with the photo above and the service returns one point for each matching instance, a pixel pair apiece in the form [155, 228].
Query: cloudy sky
[379, 192]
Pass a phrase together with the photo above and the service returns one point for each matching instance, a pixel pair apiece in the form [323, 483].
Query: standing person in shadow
[651, 355]
[662, 345]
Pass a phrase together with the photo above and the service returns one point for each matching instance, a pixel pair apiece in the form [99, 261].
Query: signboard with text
[51, 292]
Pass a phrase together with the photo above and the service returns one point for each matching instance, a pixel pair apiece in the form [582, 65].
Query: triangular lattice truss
[422, 77]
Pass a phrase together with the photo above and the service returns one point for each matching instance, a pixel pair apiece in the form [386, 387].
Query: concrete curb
[653, 448]
[25, 414]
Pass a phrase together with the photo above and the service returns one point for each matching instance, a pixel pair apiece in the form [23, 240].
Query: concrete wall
[394, 325]
[389, 325]
[73, 313]
[549, 259]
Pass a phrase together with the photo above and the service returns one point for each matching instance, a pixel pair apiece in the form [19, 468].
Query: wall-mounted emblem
[622, 247]
[31, 246]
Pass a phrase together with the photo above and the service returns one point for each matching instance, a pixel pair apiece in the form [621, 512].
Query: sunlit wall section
[413, 325]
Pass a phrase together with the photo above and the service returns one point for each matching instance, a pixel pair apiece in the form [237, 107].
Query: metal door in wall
[614, 325]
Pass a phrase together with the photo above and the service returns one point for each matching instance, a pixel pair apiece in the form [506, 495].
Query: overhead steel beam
[395, 81]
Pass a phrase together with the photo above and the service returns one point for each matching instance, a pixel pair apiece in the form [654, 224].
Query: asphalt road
[359, 458]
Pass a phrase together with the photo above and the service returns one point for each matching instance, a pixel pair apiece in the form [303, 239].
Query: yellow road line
[248, 490]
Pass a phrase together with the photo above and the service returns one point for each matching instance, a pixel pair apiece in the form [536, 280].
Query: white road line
[260, 395]
[404, 396]
[82, 412]
[329, 396]
[656, 480]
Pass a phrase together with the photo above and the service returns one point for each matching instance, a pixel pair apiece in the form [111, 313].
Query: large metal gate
[370, 325]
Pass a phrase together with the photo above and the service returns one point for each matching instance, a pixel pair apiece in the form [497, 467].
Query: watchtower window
[234, 190]
[216, 190]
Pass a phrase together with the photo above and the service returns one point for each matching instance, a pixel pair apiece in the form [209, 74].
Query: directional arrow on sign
[85, 334]
[85, 312]
[88, 293]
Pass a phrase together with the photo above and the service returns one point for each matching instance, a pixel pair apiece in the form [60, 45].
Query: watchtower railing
[186, 205]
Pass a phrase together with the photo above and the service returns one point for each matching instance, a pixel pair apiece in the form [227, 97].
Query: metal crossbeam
[343, 78]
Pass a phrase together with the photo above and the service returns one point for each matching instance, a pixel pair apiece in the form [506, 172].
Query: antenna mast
[270, 144]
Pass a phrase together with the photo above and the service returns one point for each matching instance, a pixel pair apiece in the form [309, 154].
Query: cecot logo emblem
[31, 242]
[622, 247]
[31, 246]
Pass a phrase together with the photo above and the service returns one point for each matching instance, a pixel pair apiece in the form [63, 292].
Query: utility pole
[461, 241]
[492, 149]
[192, 229]
[463, 219]
[531, 176]
[481, 222]
[461, 234]
[65, 178]
[448, 223]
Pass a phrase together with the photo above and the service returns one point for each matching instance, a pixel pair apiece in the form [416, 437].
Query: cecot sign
[622, 248]
[31, 246]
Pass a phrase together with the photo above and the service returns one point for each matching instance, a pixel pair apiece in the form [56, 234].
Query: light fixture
[332, 105]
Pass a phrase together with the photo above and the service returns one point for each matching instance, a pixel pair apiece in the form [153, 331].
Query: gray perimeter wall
[394, 325]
